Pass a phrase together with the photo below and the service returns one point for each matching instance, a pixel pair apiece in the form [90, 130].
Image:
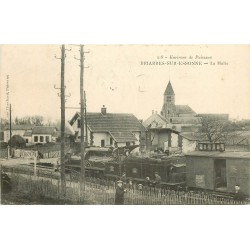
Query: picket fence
[99, 194]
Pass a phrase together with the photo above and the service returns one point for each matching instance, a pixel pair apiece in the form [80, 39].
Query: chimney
[104, 110]
[152, 112]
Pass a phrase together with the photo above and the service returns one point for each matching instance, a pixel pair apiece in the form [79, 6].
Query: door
[220, 173]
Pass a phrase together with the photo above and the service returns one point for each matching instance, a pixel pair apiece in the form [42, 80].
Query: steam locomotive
[111, 164]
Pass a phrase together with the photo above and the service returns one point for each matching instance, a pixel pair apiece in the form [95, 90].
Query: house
[160, 135]
[213, 168]
[36, 134]
[110, 129]
[43, 134]
[164, 136]
[16, 129]
[28, 136]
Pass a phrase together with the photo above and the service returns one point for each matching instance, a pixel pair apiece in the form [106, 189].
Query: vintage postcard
[125, 124]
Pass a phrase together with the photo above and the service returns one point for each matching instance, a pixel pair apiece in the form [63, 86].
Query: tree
[17, 141]
[4, 121]
[218, 130]
[30, 120]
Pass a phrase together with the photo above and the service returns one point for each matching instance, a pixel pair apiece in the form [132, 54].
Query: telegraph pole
[82, 183]
[10, 132]
[82, 118]
[62, 95]
[85, 114]
[82, 113]
[63, 179]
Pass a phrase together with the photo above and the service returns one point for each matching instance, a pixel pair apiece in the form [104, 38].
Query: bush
[17, 141]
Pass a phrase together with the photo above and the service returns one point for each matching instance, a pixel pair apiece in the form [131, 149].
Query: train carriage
[213, 168]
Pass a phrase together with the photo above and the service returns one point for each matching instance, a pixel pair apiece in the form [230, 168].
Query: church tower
[168, 108]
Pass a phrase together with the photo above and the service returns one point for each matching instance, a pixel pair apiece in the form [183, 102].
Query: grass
[22, 198]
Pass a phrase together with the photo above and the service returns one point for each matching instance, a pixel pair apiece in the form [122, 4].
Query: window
[111, 141]
[134, 170]
[102, 143]
[27, 140]
[127, 144]
[78, 123]
[35, 138]
[47, 138]
[41, 138]
[112, 168]
[210, 146]
[171, 120]
[168, 98]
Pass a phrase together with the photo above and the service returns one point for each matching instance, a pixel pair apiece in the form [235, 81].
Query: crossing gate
[25, 153]
[53, 154]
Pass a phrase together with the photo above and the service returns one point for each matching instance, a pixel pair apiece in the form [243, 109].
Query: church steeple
[168, 108]
[169, 89]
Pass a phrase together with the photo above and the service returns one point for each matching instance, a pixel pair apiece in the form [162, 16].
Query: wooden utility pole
[63, 100]
[63, 178]
[10, 132]
[85, 115]
[82, 118]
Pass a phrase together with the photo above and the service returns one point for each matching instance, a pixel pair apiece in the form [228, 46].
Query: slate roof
[19, 127]
[115, 122]
[169, 89]
[215, 116]
[123, 136]
[43, 130]
[183, 109]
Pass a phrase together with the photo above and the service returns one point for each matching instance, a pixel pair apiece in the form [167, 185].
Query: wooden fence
[52, 154]
[98, 193]
[22, 153]
[50, 150]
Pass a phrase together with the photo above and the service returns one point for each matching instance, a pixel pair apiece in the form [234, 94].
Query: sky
[120, 77]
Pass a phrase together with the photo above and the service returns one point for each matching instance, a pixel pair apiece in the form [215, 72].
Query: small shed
[218, 170]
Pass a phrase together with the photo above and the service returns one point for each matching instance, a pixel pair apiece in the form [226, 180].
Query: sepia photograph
[125, 124]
